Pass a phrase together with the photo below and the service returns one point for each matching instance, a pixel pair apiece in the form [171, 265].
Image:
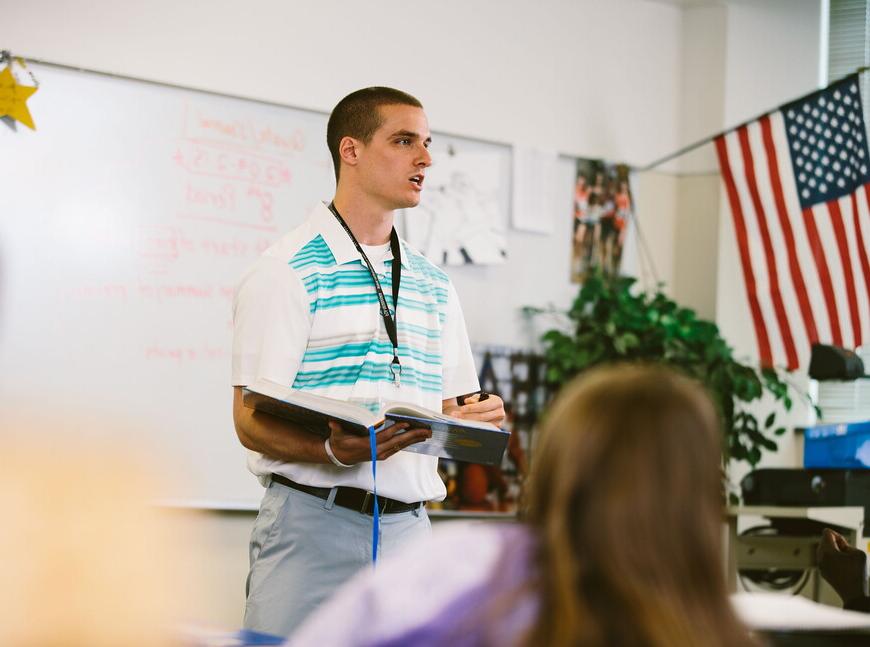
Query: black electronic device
[834, 363]
[808, 487]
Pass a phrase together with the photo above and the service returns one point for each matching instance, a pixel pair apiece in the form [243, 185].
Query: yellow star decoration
[13, 97]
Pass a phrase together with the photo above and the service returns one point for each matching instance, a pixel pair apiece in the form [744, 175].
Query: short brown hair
[357, 116]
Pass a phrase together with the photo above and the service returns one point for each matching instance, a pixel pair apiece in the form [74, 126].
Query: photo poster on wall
[602, 213]
[463, 213]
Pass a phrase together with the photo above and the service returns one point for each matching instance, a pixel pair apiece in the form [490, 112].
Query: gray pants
[303, 548]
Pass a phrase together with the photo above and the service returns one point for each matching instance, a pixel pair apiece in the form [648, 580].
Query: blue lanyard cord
[375, 512]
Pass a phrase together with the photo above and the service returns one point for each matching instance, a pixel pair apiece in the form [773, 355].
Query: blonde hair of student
[625, 497]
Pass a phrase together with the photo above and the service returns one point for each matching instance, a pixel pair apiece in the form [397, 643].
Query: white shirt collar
[339, 242]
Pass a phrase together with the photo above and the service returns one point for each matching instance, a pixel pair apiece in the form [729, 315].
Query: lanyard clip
[396, 370]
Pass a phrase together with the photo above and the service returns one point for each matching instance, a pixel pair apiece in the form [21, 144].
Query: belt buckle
[365, 504]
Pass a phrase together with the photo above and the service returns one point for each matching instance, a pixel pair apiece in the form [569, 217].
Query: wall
[508, 71]
[702, 110]
[624, 79]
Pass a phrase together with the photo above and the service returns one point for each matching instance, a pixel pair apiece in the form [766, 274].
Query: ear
[349, 150]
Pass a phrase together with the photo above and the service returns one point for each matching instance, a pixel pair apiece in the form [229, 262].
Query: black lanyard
[389, 318]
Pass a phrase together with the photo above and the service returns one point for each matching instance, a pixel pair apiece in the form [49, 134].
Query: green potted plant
[611, 322]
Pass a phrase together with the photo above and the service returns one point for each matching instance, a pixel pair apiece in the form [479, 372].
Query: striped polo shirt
[306, 314]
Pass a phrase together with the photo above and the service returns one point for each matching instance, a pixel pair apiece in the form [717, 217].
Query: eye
[404, 141]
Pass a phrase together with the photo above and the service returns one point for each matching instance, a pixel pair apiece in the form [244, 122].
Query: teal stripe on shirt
[360, 278]
[365, 298]
[361, 349]
[414, 329]
[314, 253]
[365, 372]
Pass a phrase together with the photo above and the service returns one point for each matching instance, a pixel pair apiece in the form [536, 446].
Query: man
[316, 312]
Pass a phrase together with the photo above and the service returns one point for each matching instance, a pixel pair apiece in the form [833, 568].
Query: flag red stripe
[745, 260]
[794, 267]
[824, 275]
[846, 262]
[770, 257]
[859, 235]
[861, 243]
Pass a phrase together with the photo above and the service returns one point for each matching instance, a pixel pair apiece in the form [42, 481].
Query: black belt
[351, 497]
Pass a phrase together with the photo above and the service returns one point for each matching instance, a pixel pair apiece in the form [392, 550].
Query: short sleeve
[459, 374]
[271, 323]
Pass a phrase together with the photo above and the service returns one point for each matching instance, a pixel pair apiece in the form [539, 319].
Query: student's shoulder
[412, 589]
[482, 539]
[473, 543]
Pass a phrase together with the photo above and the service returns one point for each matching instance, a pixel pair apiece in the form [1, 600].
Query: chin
[406, 202]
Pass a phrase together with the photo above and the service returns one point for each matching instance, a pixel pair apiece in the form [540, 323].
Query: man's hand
[489, 410]
[841, 565]
[352, 448]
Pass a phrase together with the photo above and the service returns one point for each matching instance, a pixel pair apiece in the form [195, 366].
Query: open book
[453, 438]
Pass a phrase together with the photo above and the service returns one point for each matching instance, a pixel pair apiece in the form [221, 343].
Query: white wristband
[332, 457]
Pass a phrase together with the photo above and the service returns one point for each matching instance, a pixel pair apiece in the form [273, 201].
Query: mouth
[417, 181]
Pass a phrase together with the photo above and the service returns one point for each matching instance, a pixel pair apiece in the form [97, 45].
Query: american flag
[798, 183]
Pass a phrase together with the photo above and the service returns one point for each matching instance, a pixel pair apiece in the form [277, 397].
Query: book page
[329, 406]
[406, 409]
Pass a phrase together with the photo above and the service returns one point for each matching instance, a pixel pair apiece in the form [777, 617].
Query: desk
[783, 551]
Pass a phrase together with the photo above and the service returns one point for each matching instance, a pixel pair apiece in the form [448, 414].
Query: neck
[370, 223]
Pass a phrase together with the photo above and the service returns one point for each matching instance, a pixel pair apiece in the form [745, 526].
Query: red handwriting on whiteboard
[262, 245]
[294, 142]
[227, 221]
[233, 248]
[233, 129]
[182, 354]
[162, 242]
[265, 199]
[165, 292]
[113, 291]
[216, 161]
[222, 198]
[203, 125]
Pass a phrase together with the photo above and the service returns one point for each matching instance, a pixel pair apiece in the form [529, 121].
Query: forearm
[276, 437]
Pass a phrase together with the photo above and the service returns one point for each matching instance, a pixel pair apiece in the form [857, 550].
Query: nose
[425, 158]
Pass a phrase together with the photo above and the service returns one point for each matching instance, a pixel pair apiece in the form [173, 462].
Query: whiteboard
[126, 220]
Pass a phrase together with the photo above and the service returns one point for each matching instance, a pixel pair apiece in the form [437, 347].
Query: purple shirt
[462, 587]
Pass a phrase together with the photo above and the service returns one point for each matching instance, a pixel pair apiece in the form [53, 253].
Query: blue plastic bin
[845, 445]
